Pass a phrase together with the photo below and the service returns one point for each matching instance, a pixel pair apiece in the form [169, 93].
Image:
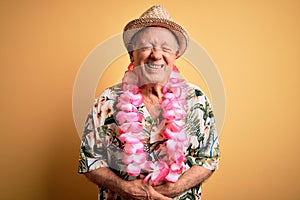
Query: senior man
[153, 136]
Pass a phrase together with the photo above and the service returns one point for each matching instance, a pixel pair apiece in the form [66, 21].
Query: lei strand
[130, 120]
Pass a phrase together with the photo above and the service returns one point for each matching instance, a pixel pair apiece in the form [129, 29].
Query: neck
[152, 92]
[152, 98]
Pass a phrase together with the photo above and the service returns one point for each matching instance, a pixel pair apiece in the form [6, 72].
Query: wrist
[168, 189]
[123, 187]
[176, 188]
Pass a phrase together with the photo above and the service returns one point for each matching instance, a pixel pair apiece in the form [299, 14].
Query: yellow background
[255, 45]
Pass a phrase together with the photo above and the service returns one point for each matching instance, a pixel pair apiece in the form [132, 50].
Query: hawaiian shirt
[101, 146]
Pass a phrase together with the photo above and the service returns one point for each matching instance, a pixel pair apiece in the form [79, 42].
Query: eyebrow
[134, 38]
[163, 44]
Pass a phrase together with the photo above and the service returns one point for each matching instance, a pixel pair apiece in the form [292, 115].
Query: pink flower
[176, 114]
[123, 117]
[128, 107]
[172, 104]
[130, 148]
[171, 167]
[136, 99]
[172, 146]
[176, 86]
[175, 167]
[172, 176]
[129, 81]
[175, 150]
[159, 171]
[169, 95]
[134, 127]
[176, 125]
[168, 134]
[131, 138]
[138, 158]
[133, 169]
[128, 97]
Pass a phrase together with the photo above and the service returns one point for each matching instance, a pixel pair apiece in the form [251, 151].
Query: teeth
[155, 66]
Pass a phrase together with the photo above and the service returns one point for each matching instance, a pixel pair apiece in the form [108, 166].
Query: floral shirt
[101, 146]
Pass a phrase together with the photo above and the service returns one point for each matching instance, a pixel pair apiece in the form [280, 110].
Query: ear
[177, 54]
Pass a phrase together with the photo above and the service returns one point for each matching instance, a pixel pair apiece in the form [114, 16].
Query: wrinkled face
[155, 53]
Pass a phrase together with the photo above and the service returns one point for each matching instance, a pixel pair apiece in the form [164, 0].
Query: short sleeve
[201, 127]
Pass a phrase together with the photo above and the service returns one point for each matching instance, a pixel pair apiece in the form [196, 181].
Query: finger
[161, 197]
[154, 194]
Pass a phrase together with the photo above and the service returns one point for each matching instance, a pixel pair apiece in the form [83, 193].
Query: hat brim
[136, 25]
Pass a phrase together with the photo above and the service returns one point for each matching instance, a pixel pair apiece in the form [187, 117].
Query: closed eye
[166, 49]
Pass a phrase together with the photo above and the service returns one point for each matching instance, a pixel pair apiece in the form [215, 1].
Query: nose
[156, 53]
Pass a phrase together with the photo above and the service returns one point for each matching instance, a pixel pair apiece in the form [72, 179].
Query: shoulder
[197, 101]
[109, 94]
[195, 93]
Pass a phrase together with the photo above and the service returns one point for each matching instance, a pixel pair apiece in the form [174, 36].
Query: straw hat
[156, 16]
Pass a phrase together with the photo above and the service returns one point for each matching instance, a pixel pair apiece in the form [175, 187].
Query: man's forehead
[148, 33]
[157, 29]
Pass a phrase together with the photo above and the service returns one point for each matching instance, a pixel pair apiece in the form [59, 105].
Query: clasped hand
[138, 189]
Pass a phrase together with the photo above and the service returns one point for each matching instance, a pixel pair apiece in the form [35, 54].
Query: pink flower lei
[130, 120]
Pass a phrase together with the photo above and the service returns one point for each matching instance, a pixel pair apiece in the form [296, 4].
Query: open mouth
[154, 66]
